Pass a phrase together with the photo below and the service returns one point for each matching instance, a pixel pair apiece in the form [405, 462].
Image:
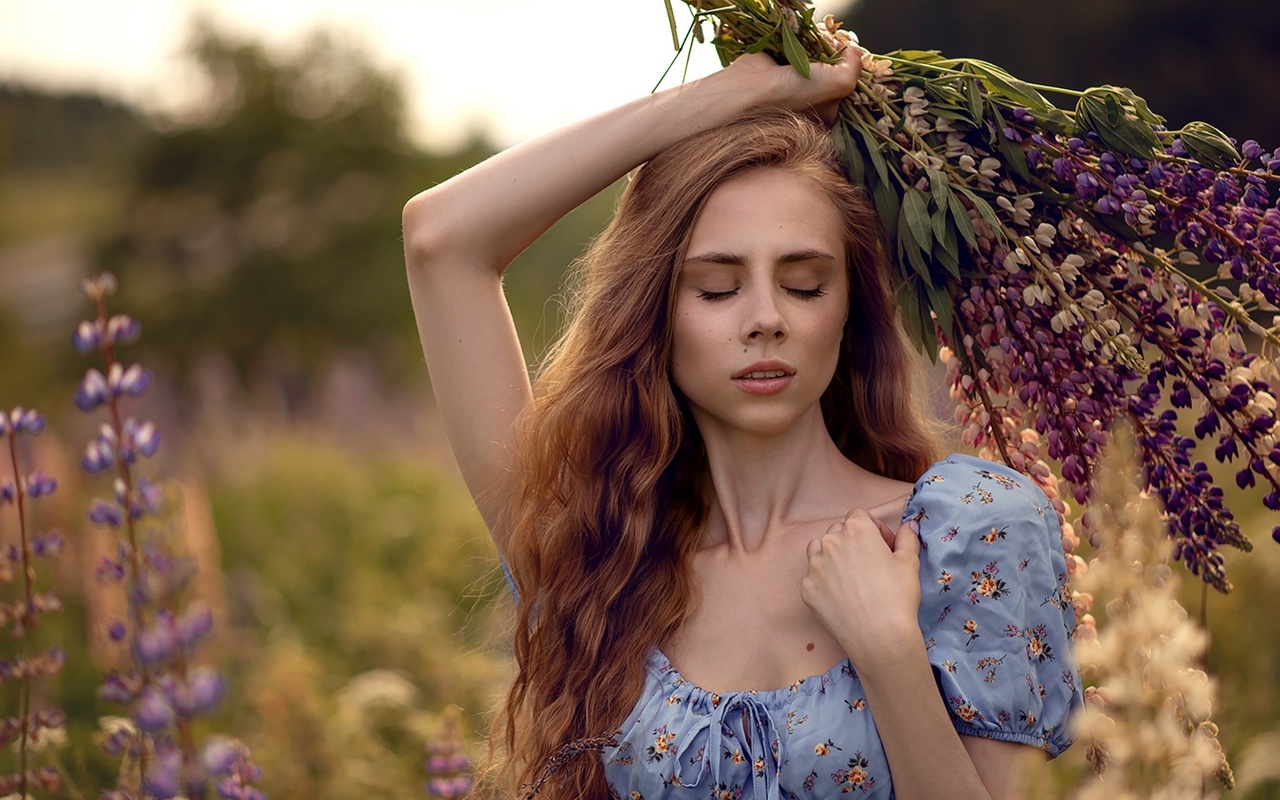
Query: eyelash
[803, 294]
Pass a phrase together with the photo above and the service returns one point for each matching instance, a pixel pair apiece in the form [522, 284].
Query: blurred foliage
[1190, 59]
[264, 226]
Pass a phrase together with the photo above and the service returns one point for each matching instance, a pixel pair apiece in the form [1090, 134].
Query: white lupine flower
[1045, 233]
[1094, 300]
[967, 164]
[989, 168]
[1148, 717]
[1070, 267]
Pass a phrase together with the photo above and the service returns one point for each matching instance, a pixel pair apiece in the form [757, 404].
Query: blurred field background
[255, 233]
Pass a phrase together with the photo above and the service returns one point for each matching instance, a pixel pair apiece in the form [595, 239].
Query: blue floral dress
[997, 622]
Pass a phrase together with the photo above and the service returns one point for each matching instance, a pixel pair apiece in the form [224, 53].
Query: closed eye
[716, 295]
[807, 294]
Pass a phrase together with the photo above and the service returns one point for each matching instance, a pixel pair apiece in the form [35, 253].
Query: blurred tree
[41, 131]
[269, 221]
[1191, 60]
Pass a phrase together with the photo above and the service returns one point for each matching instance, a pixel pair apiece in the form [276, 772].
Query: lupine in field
[1147, 716]
[1072, 268]
[164, 690]
[29, 727]
[447, 764]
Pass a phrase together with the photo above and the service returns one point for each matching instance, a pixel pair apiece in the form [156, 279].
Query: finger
[908, 539]
[886, 533]
[814, 548]
[857, 516]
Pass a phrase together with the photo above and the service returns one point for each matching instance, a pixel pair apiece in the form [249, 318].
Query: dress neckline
[669, 675]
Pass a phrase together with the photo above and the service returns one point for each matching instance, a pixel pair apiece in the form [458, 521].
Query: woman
[722, 483]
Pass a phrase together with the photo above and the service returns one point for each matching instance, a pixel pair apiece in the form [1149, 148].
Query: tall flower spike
[163, 690]
[1149, 729]
[30, 728]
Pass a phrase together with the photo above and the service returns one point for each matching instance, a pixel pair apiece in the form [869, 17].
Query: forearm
[493, 211]
[925, 754]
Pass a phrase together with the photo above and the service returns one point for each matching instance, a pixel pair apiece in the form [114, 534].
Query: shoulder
[987, 532]
[961, 481]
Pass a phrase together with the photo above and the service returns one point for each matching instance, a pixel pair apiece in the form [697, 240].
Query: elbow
[425, 240]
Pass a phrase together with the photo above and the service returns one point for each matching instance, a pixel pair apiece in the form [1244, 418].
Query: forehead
[767, 208]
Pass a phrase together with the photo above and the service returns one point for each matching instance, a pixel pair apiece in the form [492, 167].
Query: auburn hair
[611, 471]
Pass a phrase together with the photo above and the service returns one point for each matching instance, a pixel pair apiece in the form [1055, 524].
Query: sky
[510, 68]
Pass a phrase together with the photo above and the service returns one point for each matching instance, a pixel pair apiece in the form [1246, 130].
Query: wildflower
[1152, 719]
[164, 690]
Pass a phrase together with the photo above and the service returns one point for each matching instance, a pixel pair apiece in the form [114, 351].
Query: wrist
[886, 647]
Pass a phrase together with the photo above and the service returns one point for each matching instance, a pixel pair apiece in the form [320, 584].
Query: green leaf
[915, 210]
[1113, 111]
[794, 51]
[975, 98]
[938, 224]
[1014, 156]
[940, 187]
[940, 301]
[851, 155]
[765, 43]
[1209, 146]
[1117, 121]
[909, 302]
[873, 150]
[917, 255]
[949, 254]
[984, 209]
[921, 56]
[928, 336]
[952, 112]
[887, 205]
[1002, 83]
[963, 223]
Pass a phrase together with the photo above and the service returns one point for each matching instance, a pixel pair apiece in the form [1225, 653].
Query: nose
[763, 320]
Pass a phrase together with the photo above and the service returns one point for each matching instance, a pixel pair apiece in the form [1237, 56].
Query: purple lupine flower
[120, 687]
[40, 484]
[138, 439]
[87, 337]
[206, 689]
[117, 630]
[194, 625]
[92, 392]
[123, 329]
[110, 571]
[152, 712]
[132, 381]
[98, 457]
[104, 513]
[155, 642]
[164, 772]
[48, 545]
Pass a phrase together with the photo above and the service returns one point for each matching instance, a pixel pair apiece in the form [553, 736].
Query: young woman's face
[761, 303]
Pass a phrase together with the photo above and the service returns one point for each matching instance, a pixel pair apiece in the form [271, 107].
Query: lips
[763, 370]
[765, 377]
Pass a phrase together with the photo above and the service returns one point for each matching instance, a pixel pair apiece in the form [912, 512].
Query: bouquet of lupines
[1072, 267]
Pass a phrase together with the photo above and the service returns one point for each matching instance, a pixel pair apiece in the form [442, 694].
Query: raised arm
[461, 235]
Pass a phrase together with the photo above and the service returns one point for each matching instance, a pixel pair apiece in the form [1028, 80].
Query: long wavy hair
[611, 469]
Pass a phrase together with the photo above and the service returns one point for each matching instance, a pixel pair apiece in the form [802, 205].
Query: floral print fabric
[996, 617]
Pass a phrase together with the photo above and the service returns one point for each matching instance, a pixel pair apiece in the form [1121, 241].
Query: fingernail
[915, 526]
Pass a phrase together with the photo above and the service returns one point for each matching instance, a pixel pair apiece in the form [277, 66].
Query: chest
[749, 628]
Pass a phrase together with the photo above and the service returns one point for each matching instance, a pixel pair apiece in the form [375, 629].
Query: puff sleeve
[995, 609]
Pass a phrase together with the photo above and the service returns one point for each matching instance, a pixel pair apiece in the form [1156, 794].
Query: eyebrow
[721, 257]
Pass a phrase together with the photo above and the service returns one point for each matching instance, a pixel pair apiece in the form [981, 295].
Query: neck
[764, 483]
